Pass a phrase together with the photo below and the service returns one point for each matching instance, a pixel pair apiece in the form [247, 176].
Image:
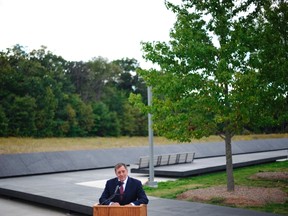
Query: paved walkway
[12, 207]
[79, 191]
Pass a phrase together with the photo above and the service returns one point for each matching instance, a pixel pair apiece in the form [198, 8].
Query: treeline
[44, 95]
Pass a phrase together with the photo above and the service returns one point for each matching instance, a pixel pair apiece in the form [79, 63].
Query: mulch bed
[242, 195]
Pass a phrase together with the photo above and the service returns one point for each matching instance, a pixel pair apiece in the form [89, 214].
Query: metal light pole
[151, 181]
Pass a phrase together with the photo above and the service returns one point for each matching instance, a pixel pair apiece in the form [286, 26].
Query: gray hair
[117, 166]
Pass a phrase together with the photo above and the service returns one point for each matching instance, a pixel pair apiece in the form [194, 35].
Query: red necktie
[121, 190]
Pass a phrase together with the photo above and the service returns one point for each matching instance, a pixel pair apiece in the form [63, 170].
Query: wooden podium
[104, 210]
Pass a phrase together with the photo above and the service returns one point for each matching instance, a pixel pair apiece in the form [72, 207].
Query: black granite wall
[12, 165]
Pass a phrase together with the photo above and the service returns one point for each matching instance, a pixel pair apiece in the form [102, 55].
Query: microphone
[117, 187]
[112, 196]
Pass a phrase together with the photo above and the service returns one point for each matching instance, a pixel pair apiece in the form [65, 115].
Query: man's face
[121, 173]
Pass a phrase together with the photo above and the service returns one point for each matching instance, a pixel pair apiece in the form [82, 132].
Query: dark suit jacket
[133, 193]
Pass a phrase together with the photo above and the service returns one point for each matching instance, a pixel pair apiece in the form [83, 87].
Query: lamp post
[151, 181]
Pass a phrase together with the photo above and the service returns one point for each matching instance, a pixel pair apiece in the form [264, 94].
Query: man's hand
[115, 204]
[129, 204]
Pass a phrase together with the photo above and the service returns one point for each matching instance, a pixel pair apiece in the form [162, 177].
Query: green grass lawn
[171, 189]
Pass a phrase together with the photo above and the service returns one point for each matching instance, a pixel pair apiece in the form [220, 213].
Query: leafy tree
[80, 76]
[3, 123]
[22, 116]
[45, 116]
[116, 93]
[84, 116]
[140, 125]
[18, 102]
[101, 73]
[271, 60]
[140, 87]
[125, 79]
[129, 80]
[207, 83]
[106, 122]
[55, 67]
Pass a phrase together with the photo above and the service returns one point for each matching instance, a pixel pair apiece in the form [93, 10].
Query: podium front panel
[104, 210]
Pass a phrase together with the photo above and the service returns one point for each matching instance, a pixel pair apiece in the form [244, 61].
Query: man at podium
[123, 190]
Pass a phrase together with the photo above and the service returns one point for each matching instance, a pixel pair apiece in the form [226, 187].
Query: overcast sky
[82, 29]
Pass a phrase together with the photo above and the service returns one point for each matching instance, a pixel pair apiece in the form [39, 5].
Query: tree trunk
[229, 162]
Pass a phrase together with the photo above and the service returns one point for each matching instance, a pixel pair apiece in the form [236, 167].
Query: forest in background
[44, 95]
